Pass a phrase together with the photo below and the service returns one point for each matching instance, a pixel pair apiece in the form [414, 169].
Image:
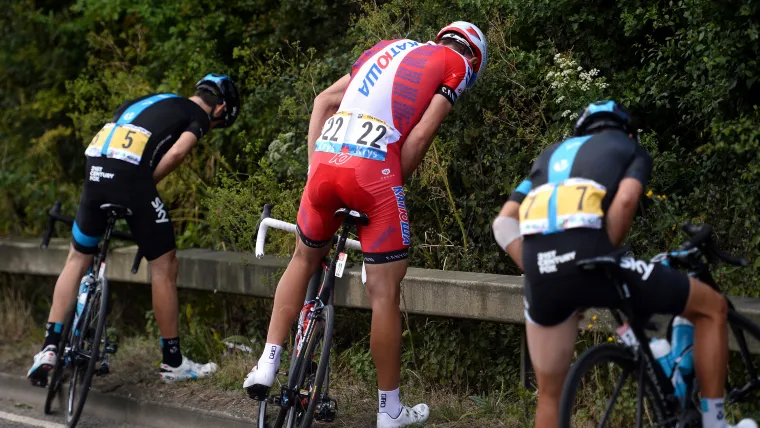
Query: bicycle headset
[226, 91]
[602, 115]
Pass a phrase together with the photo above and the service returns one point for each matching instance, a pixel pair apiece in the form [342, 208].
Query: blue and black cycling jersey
[573, 182]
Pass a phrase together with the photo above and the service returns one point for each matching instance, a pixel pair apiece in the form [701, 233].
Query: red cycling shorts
[369, 186]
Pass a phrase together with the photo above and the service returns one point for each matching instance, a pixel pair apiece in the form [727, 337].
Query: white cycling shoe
[187, 370]
[745, 423]
[408, 416]
[258, 382]
[44, 361]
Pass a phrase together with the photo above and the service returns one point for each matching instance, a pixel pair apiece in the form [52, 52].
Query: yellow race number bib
[127, 142]
[553, 207]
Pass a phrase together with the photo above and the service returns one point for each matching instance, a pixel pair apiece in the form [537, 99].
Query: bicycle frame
[98, 271]
[323, 299]
[648, 365]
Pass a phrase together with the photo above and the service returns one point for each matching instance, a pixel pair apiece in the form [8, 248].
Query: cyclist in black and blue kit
[579, 202]
[147, 139]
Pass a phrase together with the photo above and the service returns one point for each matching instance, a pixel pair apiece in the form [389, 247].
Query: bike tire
[60, 365]
[324, 363]
[740, 325]
[604, 354]
[84, 377]
[305, 364]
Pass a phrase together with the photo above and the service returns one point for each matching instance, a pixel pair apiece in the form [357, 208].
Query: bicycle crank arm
[737, 395]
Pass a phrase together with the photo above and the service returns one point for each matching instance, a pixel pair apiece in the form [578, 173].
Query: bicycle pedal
[103, 370]
[258, 392]
[112, 348]
[327, 410]
[40, 382]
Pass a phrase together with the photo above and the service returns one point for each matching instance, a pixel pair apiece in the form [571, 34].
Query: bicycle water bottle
[683, 344]
[84, 288]
[661, 352]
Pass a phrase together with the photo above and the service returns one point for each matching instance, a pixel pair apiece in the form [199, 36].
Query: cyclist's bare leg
[163, 272]
[291, 290]
[551, 351]
[384, 290]
[707, 310]
[67, 284]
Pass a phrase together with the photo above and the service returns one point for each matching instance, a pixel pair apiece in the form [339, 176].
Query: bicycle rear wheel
[85, 358]
[60, 364]
[743, 380]
[603, 389]
[313, 364]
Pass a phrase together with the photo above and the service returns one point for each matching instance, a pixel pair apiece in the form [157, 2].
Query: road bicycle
[639, 380]
[85, 345]
[303, 395]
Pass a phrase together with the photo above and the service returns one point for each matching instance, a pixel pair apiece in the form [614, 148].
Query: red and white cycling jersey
[357, 162]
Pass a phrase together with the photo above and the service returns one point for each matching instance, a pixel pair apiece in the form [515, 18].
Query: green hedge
[687, 68]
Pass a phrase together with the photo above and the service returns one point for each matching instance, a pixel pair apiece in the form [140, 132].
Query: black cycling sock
[172, 353]
[52, 334]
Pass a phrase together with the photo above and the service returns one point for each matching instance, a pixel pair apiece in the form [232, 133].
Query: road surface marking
[29, 421]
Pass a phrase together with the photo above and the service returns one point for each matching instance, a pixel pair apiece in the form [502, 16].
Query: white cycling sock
[389, 402]
[713, 413]
[270, 358]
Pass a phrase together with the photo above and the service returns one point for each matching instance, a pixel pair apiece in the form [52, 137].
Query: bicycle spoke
[618, 387]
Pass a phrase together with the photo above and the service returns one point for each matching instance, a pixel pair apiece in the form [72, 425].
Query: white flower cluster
[571, 76]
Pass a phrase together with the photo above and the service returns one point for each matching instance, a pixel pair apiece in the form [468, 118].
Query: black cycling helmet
[604, 114]
[224, 88]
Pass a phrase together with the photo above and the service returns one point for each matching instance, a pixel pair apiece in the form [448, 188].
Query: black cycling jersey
[144, 129]
[569, 189]
[120, 162]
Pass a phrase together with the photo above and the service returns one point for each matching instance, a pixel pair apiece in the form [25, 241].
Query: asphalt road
[18, 414]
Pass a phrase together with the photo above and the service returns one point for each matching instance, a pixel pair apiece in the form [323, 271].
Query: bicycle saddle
[606, 262]
[352, 216]
[117, 211]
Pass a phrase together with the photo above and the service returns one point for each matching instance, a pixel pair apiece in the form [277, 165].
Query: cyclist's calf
[707, 310]
[67, 284]
[163, 271]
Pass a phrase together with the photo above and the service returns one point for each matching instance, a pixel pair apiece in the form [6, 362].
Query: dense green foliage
[687, 68]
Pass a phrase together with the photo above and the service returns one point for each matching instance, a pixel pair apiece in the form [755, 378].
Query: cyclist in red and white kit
[368, 133]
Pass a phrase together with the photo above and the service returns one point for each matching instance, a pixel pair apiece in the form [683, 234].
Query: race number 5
[128, 137]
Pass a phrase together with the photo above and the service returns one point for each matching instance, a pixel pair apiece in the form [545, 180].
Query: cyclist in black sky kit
[577, 203]
[146, 140]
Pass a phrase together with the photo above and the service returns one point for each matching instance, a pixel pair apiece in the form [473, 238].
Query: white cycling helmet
[477, 41]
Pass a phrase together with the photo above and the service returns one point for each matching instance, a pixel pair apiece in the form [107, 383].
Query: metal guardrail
[451, 294]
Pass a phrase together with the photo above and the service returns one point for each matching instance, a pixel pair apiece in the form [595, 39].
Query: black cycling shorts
[117, 182]
[555, 288]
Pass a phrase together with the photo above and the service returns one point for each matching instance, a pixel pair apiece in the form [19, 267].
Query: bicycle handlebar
[267, 222]
[55, 215]
[701, 237]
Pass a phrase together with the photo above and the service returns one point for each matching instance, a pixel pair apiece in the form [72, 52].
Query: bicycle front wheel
[85, 356]
[603, 390]
[313, 369]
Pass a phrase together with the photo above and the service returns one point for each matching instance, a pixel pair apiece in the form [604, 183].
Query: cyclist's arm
[175, 155]
[619, 216]
[509, 231]
[511, 210]
[421, 136]
[325, 105]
